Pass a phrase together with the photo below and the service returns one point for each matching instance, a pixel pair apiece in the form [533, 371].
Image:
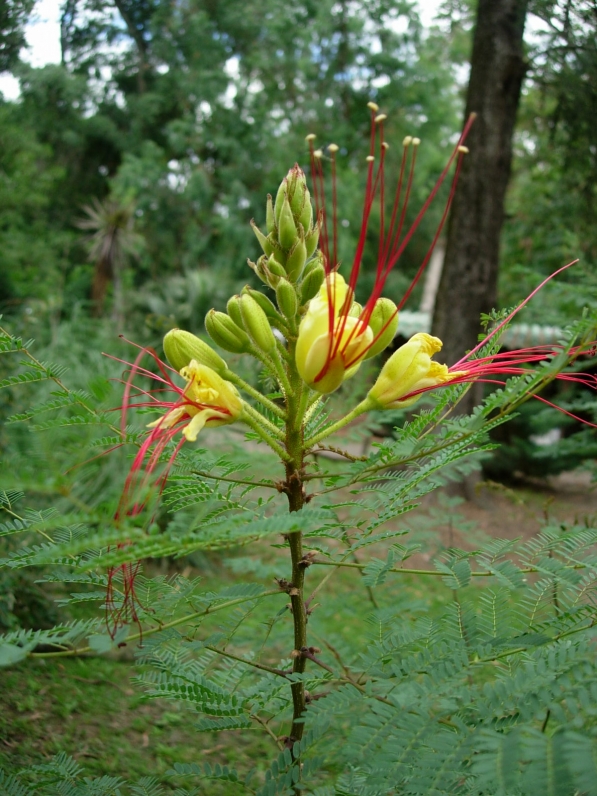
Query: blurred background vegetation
[129, 172]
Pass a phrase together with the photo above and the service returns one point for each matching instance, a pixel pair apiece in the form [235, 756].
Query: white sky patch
[42, 34]
[428, 11]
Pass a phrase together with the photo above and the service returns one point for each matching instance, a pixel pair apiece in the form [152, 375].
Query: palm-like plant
[112, 241]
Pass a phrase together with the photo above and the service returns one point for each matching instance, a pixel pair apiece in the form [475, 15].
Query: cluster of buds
[292, 235]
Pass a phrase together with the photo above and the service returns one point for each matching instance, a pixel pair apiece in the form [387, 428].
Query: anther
[310, 137]
[464, 149]
[372, 106]
[407, 141]
[370, 158]
[416, 141]
[381, 118]
[385, 145]
[333, 148]
[318, 153]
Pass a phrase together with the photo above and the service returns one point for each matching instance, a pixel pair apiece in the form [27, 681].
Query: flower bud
[264, 242]
[297, 257]
[287, 298]
[312, 281]
[257, 324]
[297, 190]
[280, 196]
[305, 217]
[270, 222]
[384, 322]
[312, 238]
[275, 267]
[225, 333]
[409, 370]
[355, 310]
[287, 231]
[266, 305]
[233, 309]
[317, 260]
[181, 347]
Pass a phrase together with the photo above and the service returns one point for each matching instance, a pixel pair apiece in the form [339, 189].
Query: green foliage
[197, 141]
[492, 694]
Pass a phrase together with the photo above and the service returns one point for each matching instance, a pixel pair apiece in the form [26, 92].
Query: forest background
[130, 171]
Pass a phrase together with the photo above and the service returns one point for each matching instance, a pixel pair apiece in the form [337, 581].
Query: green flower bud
[225, 333]
[355, 310]
[305, 217]
[385, 314]
[270, 222]
[312, 282]
[263, 241]
[257, 324]
[297, 257]
[287, 298]
[280, 196]
[312, 264]
[275, 267]
[287, 231]
[233, 309]
[266, 305]
[312, 238]
[296, 186]
[181, 347]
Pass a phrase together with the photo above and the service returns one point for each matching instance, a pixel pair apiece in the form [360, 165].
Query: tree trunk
[469, 276]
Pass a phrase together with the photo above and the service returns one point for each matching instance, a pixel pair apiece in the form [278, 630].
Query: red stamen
[391, 245]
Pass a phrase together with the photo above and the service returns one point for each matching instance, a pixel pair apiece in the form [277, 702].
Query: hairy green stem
[229, 375]
[276, 447]
[360, 409]
[259, 418]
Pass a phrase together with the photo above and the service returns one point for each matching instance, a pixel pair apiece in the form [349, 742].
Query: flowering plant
[309, 339]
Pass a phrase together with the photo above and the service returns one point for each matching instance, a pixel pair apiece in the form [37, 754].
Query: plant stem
[296, 500]
[269, 427]
[273, 408]
[435, 572]
[364, 406]
[275, 446]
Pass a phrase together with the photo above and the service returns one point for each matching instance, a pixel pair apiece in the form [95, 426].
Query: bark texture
[469, 277]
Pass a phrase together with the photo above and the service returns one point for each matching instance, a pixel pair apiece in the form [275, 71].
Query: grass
[89, 707]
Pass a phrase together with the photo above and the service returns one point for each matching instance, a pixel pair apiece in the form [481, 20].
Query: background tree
[468, 285]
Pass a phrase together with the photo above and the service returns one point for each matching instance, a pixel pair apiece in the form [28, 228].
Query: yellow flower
[207, 400]
[330, 345]
[409, 370]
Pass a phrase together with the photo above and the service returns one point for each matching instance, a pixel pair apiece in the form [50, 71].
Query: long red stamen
[436, 236]
[501, 325]
[391, 243]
